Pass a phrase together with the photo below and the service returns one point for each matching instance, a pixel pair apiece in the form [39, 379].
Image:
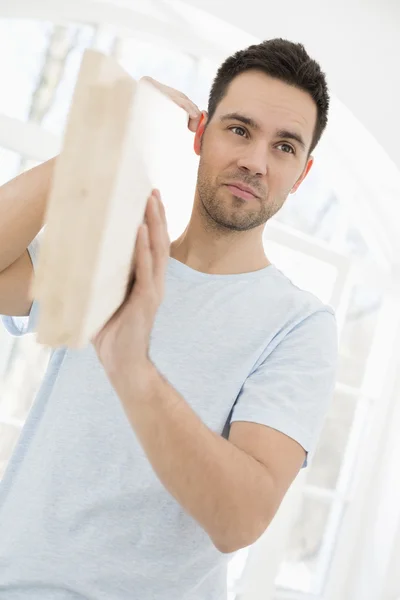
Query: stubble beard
[224, 214]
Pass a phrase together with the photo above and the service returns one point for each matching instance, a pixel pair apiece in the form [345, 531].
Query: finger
[160, 205]
[192, 110]
[195, 119]
[156, 193]
[155, 225]
[194, 116]
[159, 240]
[132, 274]
[193, 123]
[144, 261]
[178, 97]
[180, 100]
[187, 105]
[163, 216]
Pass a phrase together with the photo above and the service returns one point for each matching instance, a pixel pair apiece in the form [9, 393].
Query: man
[169, 443]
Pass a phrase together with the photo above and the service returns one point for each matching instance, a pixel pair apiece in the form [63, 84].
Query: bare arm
[22, 210]
[231, 488]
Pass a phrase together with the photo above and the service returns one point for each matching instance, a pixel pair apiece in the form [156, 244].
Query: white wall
[356, 41]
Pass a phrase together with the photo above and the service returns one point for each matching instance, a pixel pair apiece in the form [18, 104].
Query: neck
[219, 252]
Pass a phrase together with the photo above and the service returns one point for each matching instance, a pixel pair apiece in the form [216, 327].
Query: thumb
[194, 119]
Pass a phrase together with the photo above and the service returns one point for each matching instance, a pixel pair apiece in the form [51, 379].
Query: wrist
[136, 381]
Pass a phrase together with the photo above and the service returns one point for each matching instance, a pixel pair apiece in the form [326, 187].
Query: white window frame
[344, 533]
[259, 574]
[352, 576]
[305, 244]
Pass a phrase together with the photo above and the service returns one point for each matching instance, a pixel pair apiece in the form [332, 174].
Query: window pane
[235, 571]
[314, 209]
[12, 163]
[358, 333]
[137, 57]
[23, 367]
[325, 468]
[26, 367]
[28, 163]
[299, 567]
[24, 43]
[42, 64]
[169, 66]
[9, 164]
[307, 272]
[72, 42]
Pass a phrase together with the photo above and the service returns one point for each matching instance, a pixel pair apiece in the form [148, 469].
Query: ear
[304, 175]
[200, 132]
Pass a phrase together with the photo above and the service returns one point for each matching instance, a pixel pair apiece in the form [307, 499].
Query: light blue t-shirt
[82, 514]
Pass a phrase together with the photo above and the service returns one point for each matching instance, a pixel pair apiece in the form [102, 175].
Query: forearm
[22, 210]
[223, 488]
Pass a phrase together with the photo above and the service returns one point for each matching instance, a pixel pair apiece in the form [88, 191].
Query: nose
[254, 159]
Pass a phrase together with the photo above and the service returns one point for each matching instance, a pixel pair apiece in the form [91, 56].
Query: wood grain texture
[96, 205]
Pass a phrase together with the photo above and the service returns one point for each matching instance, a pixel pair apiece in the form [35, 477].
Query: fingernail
[156, 204]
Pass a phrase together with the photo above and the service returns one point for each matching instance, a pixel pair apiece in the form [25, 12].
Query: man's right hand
[181, 100]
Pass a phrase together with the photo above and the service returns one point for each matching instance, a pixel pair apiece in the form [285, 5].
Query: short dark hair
[283, 60]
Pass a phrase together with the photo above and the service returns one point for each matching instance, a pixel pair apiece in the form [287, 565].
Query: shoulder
[298, 307]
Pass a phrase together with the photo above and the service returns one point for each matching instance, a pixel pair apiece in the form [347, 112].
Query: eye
[240, 129]
[289, 149]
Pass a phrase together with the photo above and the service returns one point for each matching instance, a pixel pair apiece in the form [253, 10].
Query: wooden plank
[97, 202]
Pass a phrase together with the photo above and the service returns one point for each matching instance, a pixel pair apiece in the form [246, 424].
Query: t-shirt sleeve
[291, 389]
[18, 326]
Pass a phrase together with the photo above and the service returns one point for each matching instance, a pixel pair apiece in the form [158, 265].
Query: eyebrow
[291, 135]
[246, 120]
[281, 133]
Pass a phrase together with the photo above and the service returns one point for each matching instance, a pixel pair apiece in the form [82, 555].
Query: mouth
[242, 191]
